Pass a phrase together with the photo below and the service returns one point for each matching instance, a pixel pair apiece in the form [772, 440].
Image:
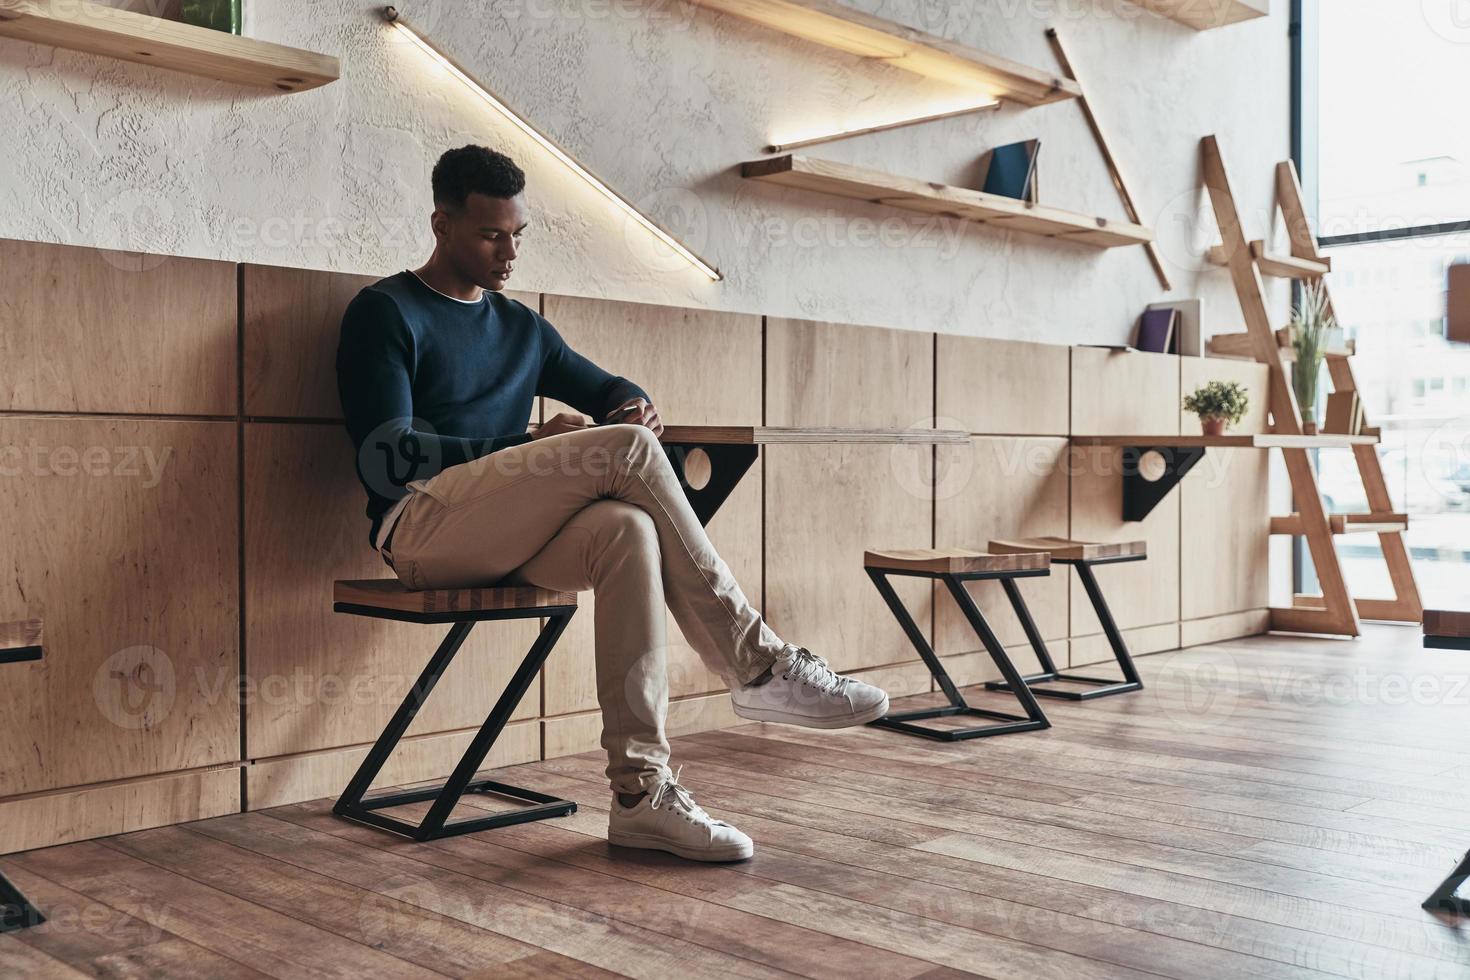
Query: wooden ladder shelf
[1336, 610]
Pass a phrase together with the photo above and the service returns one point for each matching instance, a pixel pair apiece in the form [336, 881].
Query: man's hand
[638, 412]
[559, 423]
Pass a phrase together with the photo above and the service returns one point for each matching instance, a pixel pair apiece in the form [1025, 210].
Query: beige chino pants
[597, 509]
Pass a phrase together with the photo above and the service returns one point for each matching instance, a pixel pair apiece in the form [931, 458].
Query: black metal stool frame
[16, 912]
[1034, 718]
[356, 804]
[1105, 686]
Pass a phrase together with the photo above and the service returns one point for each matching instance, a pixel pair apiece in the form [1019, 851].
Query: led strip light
[393, 17]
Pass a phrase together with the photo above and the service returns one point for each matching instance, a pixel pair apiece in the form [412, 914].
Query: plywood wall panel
[700, 368]
[1004, 387]
[117, 808]
[123, 542]
[298, 778]
[1140, 593]
[1124, 392]
[87, 330]
[1002, 488]
[1225, 505]
[318, 679]
[292, 324]
[292, 321]
[826, 505]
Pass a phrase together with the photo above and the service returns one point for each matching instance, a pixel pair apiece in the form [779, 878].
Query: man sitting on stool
[437, 372]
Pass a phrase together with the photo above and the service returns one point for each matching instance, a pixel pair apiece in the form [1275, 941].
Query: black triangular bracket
[728, 462]
[1146, 482]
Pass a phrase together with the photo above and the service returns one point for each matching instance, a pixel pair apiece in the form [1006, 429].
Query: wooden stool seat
[1064, 549]
[1446, 629]
[1081, 555]
[463, 609]
[952, 561]
[391, 595]
[954, 567]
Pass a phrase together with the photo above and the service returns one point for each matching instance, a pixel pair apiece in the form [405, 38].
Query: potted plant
[1311, 324]
[1218, 404]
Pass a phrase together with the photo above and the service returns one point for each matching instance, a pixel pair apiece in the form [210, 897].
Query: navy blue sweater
[428, 382]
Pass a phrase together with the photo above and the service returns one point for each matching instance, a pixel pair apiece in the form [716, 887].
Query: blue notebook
[1012, 171]
[1156, 331]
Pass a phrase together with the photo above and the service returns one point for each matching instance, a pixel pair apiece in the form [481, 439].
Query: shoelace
[682, 797]
[809, 668]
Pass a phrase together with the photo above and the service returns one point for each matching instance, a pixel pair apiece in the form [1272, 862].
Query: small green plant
[1219, 400]
[1311, 322]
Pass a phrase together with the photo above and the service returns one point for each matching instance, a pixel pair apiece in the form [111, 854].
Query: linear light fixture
[989, 106]
[393, 17]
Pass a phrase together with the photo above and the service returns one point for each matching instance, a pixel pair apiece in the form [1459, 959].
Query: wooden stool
[1446, 630]
[954, 567]
[389, 599]
[1082, 555]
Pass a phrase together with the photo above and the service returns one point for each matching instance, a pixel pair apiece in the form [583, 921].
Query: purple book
[1156, 331]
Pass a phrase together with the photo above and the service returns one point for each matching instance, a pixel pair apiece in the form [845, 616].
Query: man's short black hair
[475, 170]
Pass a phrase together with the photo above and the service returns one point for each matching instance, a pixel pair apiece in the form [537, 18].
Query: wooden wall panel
[1002, 488]
[323, 679]
[1143, 593]
[1124, 392]
[700, 368]
[86, 330]
[298, 778]
[117, 808]
[826, 505]
[582, 732]
[292, 325]
[1225, 504]
[122, 540]
[1004, 387]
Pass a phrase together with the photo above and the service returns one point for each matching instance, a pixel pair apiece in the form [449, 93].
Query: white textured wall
[664, 100]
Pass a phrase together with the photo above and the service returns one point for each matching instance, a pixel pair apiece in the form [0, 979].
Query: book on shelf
[1187, 337]
[1010, 170]
[1344, 413]
[1156, 330]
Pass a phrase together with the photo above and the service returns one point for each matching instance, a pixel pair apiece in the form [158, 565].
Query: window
[1390, 159]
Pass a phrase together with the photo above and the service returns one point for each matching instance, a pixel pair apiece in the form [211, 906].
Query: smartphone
[629, 410]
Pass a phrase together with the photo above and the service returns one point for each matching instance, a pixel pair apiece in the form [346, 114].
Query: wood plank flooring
[1267, 807]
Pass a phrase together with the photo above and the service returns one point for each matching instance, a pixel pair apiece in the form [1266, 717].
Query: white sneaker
[803, 691]
[668, 819]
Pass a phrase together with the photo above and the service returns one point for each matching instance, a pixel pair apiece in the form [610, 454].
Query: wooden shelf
[835, 26]
[1277, 266]
[769, 435]
[112, 33]
[1265, 440]
[1346, 524]
[1241, 345]
[925, 197]
[1204, 16]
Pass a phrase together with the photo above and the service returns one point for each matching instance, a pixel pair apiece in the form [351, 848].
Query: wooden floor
[1272, 807]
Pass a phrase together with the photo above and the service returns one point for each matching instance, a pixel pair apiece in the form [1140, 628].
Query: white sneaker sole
[807, 721]
[647, 842]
